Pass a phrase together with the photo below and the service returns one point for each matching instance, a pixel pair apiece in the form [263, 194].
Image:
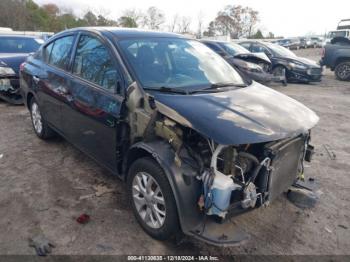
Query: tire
[280, 71]
[342, 71]
[41, 128]
[146, 208]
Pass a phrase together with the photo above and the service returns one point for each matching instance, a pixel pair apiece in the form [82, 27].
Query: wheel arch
[341, 60]
[185, 193]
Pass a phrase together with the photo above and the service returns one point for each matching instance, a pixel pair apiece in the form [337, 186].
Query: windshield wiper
[166, 89]
[217, 87]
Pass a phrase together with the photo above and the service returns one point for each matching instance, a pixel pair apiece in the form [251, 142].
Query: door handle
[36, 79]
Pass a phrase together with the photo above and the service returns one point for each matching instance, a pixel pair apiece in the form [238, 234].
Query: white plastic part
[221, 189]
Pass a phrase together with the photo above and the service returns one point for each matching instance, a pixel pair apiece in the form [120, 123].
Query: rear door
[93, 102]
[52, 78]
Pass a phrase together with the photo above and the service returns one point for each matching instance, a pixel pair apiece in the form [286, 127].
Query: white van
[336, 33]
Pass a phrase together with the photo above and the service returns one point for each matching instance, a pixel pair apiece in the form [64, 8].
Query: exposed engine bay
[235, 178]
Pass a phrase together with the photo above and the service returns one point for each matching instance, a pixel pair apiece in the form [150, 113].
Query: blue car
[14, 49]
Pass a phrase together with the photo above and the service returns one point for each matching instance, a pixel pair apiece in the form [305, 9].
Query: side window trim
[114, 60]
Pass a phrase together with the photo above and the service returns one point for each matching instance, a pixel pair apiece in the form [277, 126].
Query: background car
[255, 66]
[316, 42]
[14, 49]
[336, 33]
[285, 62]
[303, 42]
[290, 43]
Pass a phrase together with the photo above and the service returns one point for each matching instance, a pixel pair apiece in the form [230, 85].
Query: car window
[94, 63]
[47, 51]
[246, 45]
[214, 47]
[58, 52]
[256, 48]
[234, 49]
[19, 44]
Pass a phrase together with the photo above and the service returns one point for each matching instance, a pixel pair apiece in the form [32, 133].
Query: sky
[281, 17]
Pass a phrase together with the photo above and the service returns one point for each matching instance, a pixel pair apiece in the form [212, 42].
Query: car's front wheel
[280, 71]
[152, 199]
[342, 71]
[41, 128]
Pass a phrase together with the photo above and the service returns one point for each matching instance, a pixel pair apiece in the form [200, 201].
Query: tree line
[26, 15]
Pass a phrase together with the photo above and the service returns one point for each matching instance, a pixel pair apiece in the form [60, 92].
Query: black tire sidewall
[171, 224]
[336, 70]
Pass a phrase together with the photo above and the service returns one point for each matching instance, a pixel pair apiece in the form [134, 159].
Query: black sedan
[195, 143]
[284, 61]
[14, 50]
[254, 66]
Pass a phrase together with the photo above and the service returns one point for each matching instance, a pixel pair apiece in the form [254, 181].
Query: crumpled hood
[12, 60]
[254, 114]
[259, 56]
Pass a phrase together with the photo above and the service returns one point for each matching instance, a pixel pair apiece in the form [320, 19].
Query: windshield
[234, 49]
[280, 50]
[19, 44]
[337, 34]
[177, 63]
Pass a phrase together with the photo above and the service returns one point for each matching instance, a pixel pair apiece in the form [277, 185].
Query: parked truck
[336, 56]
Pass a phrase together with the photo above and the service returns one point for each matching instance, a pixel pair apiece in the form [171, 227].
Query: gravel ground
[41, 184]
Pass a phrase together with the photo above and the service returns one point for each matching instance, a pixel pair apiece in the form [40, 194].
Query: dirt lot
[41, 183]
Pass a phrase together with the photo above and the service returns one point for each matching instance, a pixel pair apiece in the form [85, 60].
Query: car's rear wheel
[152, 199]
[342, 71]
[41, 128]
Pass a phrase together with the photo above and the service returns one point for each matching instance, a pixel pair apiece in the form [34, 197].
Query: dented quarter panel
[254, 114]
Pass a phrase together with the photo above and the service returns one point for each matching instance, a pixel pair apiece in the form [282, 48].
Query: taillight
[323, 52]
[21, 67]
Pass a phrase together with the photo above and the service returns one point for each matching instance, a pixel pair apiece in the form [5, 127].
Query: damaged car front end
[9, 85]
[255, 66]
[225, 149]
[14, 50]
[228, 153]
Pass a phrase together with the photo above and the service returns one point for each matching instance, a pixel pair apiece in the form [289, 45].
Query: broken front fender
[187, 190]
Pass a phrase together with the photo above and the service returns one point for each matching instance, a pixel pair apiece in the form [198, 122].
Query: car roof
[19, 36]
[120, 32]
[213, 41]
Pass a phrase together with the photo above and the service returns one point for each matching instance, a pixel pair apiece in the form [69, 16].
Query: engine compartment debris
[302, 198]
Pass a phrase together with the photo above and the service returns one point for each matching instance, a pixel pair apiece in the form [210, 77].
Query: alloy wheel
[344, 71]
[36, 118]
[149, 200]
